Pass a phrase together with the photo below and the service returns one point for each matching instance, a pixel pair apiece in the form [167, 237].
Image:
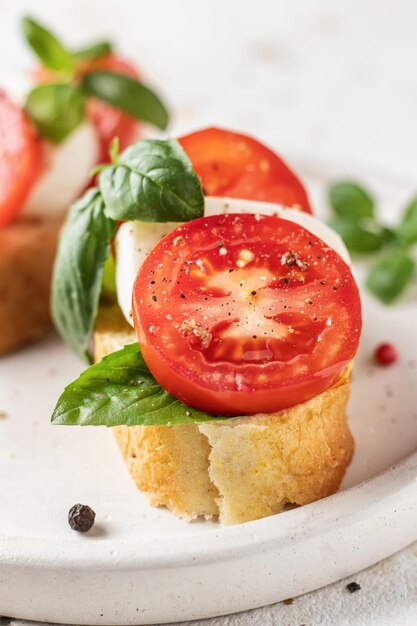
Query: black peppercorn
[81, 517]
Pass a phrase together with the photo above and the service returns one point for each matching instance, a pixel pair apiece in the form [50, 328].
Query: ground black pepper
[352, 587]
[81, 518]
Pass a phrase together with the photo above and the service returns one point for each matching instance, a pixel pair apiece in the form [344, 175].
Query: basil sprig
[76, 284]
[354, 217]
[58, 108]
[407, 229]
[162, 187]
[358, 237]
[356, 221]
[349, 199]
[152, 181]
[51, 52]
[95, 51]
[120, 390]
[128, 95]
[389, 277]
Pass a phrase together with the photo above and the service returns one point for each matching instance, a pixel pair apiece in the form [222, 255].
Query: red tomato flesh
[108, 121]
[236, 166]
[20, 158]
[240, 314]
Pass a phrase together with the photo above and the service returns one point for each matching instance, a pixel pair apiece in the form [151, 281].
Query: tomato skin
[233, 165]
[108, 121]
[20, 160]
[200, 317]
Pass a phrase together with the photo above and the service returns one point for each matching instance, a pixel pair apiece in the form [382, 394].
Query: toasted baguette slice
[238, 469]
[27, 252]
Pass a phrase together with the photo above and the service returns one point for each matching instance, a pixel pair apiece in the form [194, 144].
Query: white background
[318, 80]
[334, 78]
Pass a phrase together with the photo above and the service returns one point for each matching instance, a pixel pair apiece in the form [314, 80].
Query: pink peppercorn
[386, 354]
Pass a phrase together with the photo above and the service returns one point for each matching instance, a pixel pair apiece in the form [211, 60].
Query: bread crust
[27, 252]
[239, 469]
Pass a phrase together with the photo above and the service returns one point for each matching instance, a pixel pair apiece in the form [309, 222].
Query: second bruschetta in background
[56, 124]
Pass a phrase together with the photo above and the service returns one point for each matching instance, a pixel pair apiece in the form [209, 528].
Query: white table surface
[331, 79]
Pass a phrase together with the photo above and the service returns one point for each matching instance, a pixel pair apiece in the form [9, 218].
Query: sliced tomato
[111, 122]
[240, 314]
[236, 166]
[20, 157]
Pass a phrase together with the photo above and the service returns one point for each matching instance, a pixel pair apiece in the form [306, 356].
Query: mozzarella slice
[135, 240]
[66, 167]
[66, 171]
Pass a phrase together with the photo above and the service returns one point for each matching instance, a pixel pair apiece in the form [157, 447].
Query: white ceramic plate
[142, 565]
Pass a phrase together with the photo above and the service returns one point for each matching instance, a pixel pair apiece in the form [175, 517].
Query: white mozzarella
[135, 240]
[66, 167]
[66, 170]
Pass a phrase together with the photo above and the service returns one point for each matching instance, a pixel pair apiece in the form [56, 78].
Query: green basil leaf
[348, 199]
[389, 235]
[114, 150]
[357, 237]
[56, 110]
[121, 390]
[153, 181]
[128, 95]
[95, 51]
[407, 230]
[108, 285]
[47, 47]
[391, 275]
[83, 249]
